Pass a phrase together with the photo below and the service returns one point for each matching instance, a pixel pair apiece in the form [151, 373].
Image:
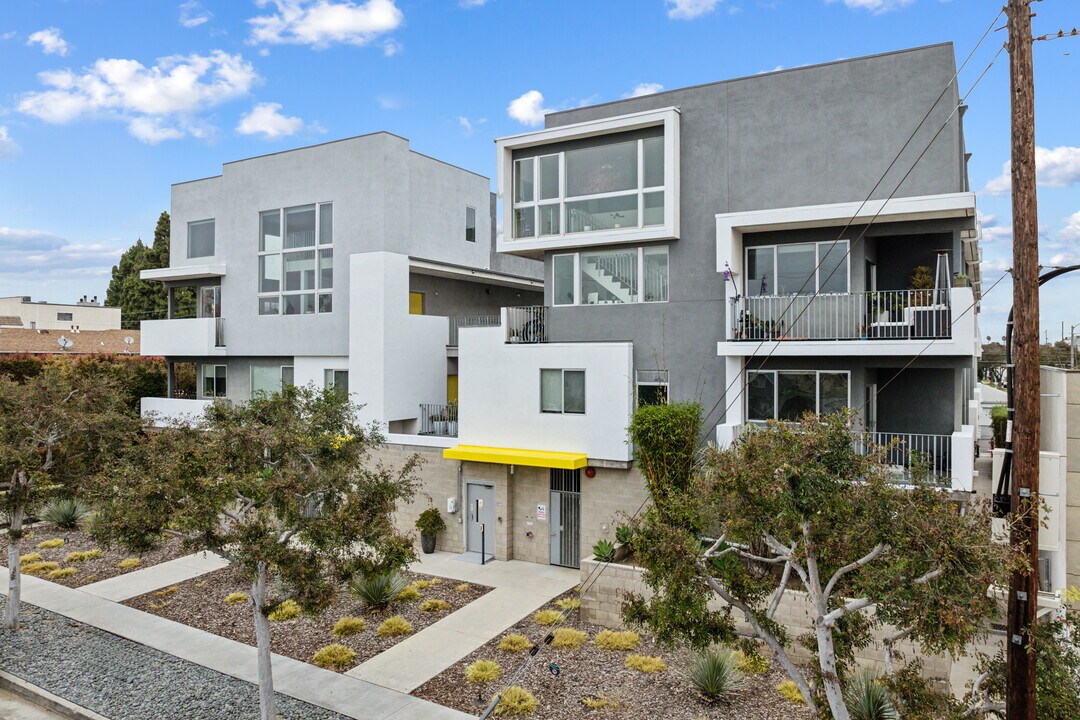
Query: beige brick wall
[439, 482]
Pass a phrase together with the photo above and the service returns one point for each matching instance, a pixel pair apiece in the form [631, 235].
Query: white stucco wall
[43, 315]
[499, 387]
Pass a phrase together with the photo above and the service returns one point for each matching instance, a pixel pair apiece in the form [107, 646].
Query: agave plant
[604, 551]
[377, 590]
[65, 513]
[716, 674]
[867, 699]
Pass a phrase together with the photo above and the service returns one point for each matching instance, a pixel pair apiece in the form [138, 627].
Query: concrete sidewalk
[519, 588]
[349, 696]
[139, 582]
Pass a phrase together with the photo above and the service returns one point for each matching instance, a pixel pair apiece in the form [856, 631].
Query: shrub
[394, 626]
[999, 420]
[29, 558]
[645, 663]
[624, 640]
[430, 522]
[435, 605]
[48, 544]
[463, 588]
[715, 673]
[347, 626]
[482, 671]
[546, 618]
[568, 638]
[38, 568]
[516, 701]
[378, 590]
[61, 573]
[604, 551]
[409, 594]
[66, 513]
[284, 612]
[867, 698]
[791, 693]
[167, 591]
[334, 657]
[568, 603]
[623, 533]
[235, 598]
[753, 663]
[514, 643]
[75, 557]
[128, 563]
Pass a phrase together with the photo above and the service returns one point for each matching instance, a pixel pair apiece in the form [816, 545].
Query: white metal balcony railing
[439, 419]
[525, 324]
[467, 321]
[887, 314]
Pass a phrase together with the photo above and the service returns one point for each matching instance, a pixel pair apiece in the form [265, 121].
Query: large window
[336, 380]
[65, 317]
[269, 379]
[562, 391]
[296, 262]
[652, 387]
[790, 394]
[200, 239]
[213, 379]
[606, 277]
[601, 187]
[797, 269]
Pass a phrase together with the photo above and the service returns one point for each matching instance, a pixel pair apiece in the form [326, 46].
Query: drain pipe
[460, 489]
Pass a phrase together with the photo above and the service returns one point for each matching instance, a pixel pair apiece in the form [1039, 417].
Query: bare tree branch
[779, 594]
[839, 574]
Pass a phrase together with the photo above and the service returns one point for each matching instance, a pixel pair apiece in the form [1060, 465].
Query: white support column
[734, 418]
[963, 459]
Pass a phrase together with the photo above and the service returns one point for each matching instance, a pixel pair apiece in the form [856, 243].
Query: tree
[141, 299]
[281, 486]
[802, 506]
[56, 429]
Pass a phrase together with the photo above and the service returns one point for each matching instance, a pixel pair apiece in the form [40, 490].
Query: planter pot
[451, 428]
[427, 543]
[440, 427]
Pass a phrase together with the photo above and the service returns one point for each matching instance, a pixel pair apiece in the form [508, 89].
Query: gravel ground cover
[593, 673]
[91, 569]
[201, 603]
[124, 680]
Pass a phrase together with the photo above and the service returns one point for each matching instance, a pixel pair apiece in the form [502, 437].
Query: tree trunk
[267, 701]
[11, 618]
[831, 681]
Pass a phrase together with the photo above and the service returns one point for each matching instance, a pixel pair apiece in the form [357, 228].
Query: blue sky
[105, 103]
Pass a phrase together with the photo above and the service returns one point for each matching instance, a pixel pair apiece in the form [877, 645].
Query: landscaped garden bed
[78, 560]
[219, 603]
[593, 681]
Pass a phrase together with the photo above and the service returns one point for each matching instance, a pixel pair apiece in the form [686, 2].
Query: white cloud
[266, 119]
[192, 14]
[469, 4]
[992, 229]
[468, 127]
[528, 109]
[36, 251]
[391, 48]
[7, 36]
[1071, 231]
[8, 147]
[320, 23]
[389, 102]
[50, 41]
[877, 7]
[1057, 167]
[642, 89]
[690, 9]
[159, 102]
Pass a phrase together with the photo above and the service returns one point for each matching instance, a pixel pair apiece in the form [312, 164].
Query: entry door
[481, 512]
[564, 518]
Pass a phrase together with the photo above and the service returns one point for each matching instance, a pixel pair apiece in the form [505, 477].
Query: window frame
[640, 297]
[323, 296]
[818, 255]
[224, 379]
[562, 391]
[469, 209]
[213, 243]
[776, 390]
[65, 317]
[330, 378]
[662, 379]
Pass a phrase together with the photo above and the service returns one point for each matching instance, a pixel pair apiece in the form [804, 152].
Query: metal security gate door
[480, 531]
[565, 518]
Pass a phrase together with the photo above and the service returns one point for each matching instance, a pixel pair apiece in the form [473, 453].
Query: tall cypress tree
[141, 299]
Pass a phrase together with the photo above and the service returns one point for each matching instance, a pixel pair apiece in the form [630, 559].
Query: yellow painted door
[451, 388]
[416, 303]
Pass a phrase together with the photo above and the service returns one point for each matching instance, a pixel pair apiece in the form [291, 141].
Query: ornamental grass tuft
[546, 618]
[334, 657]
[61, 573]
[409, 594]
[568, 603]
[347, 626]
[645, 663]
[482, 672]
[29, 558]
[235, 598]
[463, 587]
[49, 544]
[515, 643]
[791, 693]
[624, 640]
[39, 568]
[74, 557]
[435, 605]
[752, 664]
[568, 638]
[286, 611]
[394, 626]
[128, 563]
[167, 591]
[597, 702]
[516, 701]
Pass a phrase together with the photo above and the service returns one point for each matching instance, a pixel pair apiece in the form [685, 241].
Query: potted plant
[430, 524]
[439, 420]
[961, 279]
[881, 306]
[451, 419]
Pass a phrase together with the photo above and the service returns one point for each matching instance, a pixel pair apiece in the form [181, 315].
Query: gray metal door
[481, 514]
[564, 518]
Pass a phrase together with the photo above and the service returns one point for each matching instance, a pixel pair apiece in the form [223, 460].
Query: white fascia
[457, 272]
[183, 272]
[535, 247]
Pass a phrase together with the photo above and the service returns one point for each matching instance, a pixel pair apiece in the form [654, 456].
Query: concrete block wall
[1072, 479]
[531, 488]
[439, 482]
[603, 498]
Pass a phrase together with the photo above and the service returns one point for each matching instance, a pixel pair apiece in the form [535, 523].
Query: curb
[46, 699]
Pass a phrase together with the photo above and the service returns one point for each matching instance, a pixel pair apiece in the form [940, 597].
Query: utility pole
[1024, 586]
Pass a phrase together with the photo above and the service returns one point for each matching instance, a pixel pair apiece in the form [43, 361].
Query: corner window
[562, 391]
[64, 317]
[652, 387]
[611, 277]
[213, 381]
[337, 380]
[200, 240]
[789, 394]
[797, 269]
[295, 276]
[470, 224]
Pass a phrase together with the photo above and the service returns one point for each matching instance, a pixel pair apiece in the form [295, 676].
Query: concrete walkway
[349, 696]
[139, 582]
[519, 588]
[13, 707]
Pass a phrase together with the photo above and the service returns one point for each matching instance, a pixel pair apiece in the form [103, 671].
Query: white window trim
[840, 244]
[776, 389]
[282, 252]
[665, 383]
[562, 392]
[640, 276]
[202, 379]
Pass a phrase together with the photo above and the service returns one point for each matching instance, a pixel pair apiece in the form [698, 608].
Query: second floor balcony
[187, 337]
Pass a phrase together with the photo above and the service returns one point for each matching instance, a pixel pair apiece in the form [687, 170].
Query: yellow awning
[512, 456]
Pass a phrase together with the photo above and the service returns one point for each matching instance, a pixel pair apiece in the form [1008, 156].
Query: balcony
[468, 321]
[188, 337]
[438, 419]
[162, 411]
[525, 324]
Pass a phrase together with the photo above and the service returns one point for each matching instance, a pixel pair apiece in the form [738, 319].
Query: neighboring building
[21, 311]
[682, 235]
[349, 264]
[58, 342]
